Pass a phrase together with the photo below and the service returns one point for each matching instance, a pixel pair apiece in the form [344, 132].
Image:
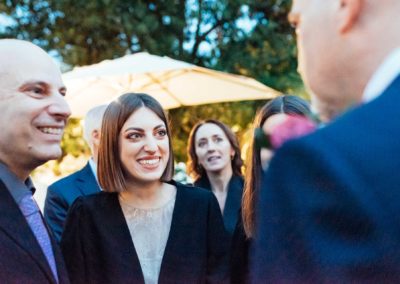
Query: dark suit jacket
[98, 248]
[233, 201]
[21, 258]
[331, 205]
[61, 195]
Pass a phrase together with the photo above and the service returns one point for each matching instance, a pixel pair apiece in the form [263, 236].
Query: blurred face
[144, 146]
[318, 53]
[268, 126]
[32, 108]
[213, 149]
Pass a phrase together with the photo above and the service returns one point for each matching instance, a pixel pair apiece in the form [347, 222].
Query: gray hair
[92, 121]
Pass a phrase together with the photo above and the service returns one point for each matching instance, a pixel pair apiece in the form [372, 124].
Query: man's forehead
[28, 63]
[18, 52]
[18, 79]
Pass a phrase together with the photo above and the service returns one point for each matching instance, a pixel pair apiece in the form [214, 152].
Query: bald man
[330, 201]
[33, 114]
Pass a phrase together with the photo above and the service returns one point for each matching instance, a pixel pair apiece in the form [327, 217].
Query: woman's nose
[151, 145]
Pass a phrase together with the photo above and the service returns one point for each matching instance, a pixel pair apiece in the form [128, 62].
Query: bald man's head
[341, 43]
[19, 62]
[33, 111]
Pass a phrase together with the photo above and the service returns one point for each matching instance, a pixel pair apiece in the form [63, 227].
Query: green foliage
[85, 32]
[268, 52]
[73, 142]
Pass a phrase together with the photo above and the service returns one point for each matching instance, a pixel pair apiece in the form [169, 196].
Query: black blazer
[239, 259]
[21, 258]
[233, 201]
[98, 248]
[61, 195]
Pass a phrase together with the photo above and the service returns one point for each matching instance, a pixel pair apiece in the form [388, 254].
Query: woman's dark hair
[283, 104]
[195, 170]
[110, 170]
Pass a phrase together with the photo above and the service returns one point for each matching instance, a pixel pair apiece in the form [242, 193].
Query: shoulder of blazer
[65, 181]
[98, 202]
[193, 192]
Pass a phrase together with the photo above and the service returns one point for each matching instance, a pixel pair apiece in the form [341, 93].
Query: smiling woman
[143, 218]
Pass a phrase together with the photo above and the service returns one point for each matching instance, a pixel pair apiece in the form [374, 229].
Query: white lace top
[149, 229]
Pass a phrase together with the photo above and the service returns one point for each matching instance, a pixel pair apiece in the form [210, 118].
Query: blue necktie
[32, 215]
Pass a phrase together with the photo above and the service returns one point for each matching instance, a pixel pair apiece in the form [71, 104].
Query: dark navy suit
[21, 258]
[62, 194]
[330, 203]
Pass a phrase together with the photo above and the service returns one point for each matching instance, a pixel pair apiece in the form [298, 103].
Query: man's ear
[349, 13]
[96, 136]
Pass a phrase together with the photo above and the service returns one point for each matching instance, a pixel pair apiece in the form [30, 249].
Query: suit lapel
[86, 181]
[13, 224]
[233, 203]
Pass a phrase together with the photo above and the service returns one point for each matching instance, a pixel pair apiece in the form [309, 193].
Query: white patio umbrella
[173, 83]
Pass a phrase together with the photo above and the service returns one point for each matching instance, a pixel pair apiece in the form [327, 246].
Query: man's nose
[59, 107]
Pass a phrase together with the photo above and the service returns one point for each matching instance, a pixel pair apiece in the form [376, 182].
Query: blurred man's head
[92, 128]
[33, 111]
[341, 43]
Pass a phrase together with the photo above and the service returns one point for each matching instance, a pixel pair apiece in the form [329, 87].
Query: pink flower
[290, 127]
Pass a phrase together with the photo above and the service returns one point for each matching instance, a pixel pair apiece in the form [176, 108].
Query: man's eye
[38, 90]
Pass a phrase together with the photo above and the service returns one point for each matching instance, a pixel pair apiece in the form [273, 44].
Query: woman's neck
[148, 194]
[219, 180]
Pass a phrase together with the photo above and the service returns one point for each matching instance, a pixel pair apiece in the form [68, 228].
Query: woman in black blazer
[144, 228]
[215, 164]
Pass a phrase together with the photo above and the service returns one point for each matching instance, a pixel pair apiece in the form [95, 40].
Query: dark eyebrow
[141, 129]
[160, 126]
[134, 129]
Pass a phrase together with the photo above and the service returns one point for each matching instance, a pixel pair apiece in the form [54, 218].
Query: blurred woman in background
[214, 162]
[257, 159]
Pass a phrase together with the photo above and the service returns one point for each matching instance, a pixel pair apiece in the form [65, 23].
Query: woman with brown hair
[143, 227]
[215, 164]
[257, 159]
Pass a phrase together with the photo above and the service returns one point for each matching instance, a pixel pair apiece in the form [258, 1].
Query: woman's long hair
[282, 104]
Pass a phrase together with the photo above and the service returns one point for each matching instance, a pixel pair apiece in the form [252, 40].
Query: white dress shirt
[383, 76]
